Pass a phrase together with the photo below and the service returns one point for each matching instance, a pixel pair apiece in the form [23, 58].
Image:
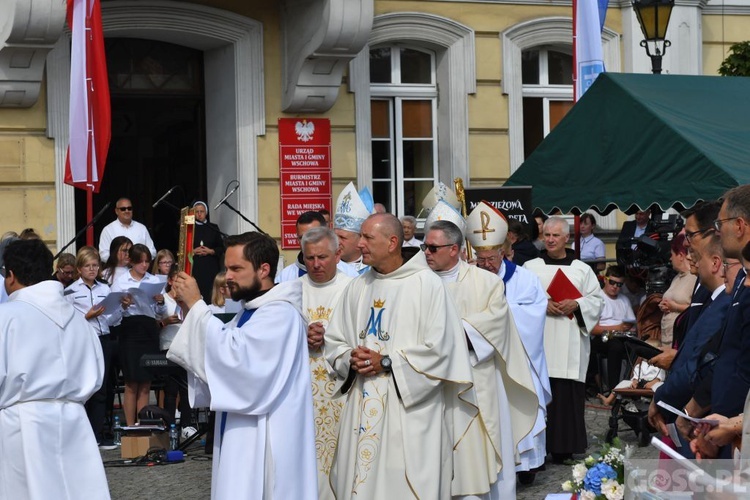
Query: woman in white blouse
[85, 294]
[592, 248]
[139, 334]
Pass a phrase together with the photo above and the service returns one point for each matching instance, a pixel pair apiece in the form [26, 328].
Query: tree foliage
[737, 62]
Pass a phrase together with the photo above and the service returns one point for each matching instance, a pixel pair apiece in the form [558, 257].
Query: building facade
[416, 92]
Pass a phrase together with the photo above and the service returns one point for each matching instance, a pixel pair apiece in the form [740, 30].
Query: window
[403, 107]
[551, 34]
[547, 79]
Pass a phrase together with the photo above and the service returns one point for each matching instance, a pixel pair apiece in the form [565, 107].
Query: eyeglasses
[484, 260]
[125, 209]
[690, 234]
[718, 222]
[166, 262]
[433, 248]
[616, 284]
[727, 265]
[66, 273]
[91, 266]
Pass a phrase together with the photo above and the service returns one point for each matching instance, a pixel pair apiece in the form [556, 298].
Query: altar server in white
[254, 372]
[485, 460]
[566, 339]
[322, 287]
[50, 364]
[528, 303]
[397, 340]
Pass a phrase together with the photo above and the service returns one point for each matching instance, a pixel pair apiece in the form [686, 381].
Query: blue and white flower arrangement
[600, 476]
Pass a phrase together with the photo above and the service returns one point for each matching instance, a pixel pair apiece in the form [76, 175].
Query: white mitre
[443, 211]
[486, 227]
[440, 192]
[351, 211]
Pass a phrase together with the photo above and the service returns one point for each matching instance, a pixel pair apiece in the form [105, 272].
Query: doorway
[158, 136]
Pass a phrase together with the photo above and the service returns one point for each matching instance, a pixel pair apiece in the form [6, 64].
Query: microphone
[163, 197]
[226, 197]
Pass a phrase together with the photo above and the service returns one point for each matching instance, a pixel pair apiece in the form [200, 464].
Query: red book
[560, 288]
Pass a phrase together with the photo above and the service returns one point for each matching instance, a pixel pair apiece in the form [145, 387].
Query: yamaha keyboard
[158, 362]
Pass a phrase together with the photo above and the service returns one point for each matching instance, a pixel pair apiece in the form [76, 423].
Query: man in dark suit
[732, 369]
[730, 381]
[678, 388]
[635, 228]
[632, 229]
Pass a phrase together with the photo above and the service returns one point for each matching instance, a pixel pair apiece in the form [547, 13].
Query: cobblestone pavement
[191, 480]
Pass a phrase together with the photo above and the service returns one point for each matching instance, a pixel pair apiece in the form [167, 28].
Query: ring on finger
[367, 362]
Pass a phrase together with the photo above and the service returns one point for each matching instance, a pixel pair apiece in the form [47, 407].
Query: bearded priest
[254, 372]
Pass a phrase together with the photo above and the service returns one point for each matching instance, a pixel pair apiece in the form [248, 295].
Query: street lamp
[653, 16]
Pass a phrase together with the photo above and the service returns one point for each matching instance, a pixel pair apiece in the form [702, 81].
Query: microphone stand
[165, 202]
[225, 202]
[83, 230]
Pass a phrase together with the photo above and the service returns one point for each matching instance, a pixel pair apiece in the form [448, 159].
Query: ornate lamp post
[653, 16]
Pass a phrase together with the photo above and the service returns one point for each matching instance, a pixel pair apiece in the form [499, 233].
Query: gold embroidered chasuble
[318, 303]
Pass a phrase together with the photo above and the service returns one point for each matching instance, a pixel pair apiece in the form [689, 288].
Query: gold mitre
[443, 211]
[486, 227]
[440, 192]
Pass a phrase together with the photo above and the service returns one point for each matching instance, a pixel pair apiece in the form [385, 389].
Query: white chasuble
[504, 385]
[50, 364]
[528, 304]
[398, 430]
[318, 303]
[566, 344]
[257, 378]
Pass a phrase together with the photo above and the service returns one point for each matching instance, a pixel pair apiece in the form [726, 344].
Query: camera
[647, 257]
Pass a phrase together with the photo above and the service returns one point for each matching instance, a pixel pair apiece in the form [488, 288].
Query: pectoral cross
[484, 217]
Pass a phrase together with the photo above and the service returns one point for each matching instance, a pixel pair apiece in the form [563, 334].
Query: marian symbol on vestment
[484, 217]
[373, 323]
[346, 204]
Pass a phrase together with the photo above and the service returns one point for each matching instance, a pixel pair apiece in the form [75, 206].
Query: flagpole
[89, 216]
[575, 49]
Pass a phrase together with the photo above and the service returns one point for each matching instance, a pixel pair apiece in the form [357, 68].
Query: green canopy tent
[636, 140]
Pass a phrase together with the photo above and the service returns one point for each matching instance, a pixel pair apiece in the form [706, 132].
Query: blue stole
[510, 268]
[246, 315]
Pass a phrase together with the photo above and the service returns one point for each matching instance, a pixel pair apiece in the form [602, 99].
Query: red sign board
[305, 171]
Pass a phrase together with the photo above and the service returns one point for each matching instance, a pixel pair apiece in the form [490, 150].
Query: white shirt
[136, 231]
[591, 248]
[413, 242]
[125, 282]
[83, 298]
[616, 311]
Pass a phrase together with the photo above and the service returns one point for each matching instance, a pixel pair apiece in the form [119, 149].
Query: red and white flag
[90, 113]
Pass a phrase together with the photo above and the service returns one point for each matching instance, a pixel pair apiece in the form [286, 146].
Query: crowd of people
[376, 364]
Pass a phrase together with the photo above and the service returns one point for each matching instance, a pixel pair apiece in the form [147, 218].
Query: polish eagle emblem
[304, 130]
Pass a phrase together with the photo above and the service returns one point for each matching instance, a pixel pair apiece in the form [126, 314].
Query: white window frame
[548, 92]
[453, 44]
[395, 93]
[548, 31]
